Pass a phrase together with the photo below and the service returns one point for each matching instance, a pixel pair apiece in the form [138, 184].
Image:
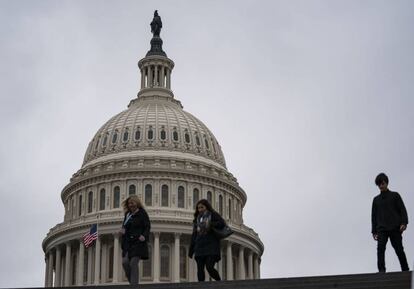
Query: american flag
[91, 236]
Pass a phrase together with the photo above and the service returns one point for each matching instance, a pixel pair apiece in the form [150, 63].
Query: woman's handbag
[223, 232]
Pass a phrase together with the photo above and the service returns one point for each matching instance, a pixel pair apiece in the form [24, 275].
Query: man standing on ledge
[389, 220]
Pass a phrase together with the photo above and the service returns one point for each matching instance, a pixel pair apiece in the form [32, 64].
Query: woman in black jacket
[135, 235]
[205, 246]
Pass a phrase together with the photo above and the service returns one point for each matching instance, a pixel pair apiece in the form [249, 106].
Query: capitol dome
[154, 124]
[170, 160]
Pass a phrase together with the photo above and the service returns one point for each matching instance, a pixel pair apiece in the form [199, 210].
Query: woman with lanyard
[135, 235]
[205, 245]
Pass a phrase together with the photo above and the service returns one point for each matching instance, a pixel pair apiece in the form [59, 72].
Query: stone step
[394, 280]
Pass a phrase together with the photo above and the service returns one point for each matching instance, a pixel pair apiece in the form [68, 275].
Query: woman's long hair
[133, 198]
[205, 203]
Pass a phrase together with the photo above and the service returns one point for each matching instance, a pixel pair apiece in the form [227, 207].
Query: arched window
[196, 197]
[115, 137]
[148, 195]
[165, 262]
[230, 209]
[90, 201]
[125, 136]
[137, 134]
[132, 190]
[210, 198]
[150, 134]
[117, 197]
[102, 196]
[181, 197]
[221, 205]
[187, 137]
[164, 196]
[183, 263]
[80, 205]
[198, 140]
[206, 142]
[163, 134]
[175, 135]
[147, 264]
[105, 140]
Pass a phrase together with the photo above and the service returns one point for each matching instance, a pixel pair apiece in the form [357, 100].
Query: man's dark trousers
[396, 241]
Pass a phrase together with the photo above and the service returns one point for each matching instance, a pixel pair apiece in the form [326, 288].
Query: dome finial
[156, 41]
[156, 24]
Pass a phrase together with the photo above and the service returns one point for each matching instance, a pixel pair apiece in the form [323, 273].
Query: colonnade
[70, 264]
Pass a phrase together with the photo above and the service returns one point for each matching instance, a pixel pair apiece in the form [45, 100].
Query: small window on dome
[97, 142]
[187, 137]
[126, 136]
[150, 134]
[115, 137]
[164, 196]
[175, 135]
[198, 140]
[210, 197]
[206, 142]
[116, 200]
[163, 135]
[181, 197]
[105, 140]
[137, 134]
[214, 147]
[132, 190]
[148, 195]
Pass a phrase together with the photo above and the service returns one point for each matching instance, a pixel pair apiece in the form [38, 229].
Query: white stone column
[162, 82]
[250, 265]
[68, 260]
[168, 78]
[156, 261]
[142, 77]
[256, 267]
[90, 260]
[229, 260]
[104, 262]
[156, 80]
[242, 273]
[116, 258]
[50, 270]
[97, 260]
[46, 270]
[81, 262]
[150, 79]
[176, 264]
[58, 268]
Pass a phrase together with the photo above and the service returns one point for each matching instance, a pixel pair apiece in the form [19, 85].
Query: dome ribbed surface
[154, 124]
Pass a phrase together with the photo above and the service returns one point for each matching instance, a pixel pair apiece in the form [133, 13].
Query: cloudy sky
[308, 99]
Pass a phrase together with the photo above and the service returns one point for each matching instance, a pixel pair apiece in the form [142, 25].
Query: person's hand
[122, 231]
[403, 227]
[375, 236]
[141, 238]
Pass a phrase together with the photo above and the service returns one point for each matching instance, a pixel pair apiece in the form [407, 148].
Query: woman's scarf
[203, 223]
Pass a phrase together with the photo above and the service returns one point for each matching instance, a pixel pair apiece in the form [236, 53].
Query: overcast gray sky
[308, 99]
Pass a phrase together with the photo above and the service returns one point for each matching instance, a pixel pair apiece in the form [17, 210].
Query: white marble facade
[170, 159]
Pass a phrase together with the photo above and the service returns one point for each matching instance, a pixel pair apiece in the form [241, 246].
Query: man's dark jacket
[388, 212]
[138, 224]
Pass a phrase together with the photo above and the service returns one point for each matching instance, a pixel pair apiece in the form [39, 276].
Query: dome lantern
[156, 67]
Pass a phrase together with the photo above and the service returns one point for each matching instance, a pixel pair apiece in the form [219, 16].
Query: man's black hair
[381, 178]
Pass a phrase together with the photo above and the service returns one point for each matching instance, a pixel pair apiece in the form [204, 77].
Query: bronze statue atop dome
[156, 24]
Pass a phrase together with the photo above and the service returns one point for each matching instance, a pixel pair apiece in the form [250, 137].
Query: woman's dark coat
[207, 244]
[138, 224]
